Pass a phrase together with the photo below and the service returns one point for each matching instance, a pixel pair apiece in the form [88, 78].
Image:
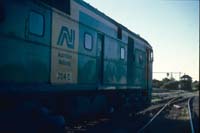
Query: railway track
[154, 117]
[193, 107]
[185, 103]
[190, 114]
[110, 123]
[141, 121]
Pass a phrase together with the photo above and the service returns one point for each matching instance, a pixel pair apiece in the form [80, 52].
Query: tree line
[185, 83]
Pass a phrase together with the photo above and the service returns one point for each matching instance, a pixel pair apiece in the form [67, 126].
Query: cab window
[36, 23]
[122, 53]
[88, 41]
[139, 58]
[151, 56]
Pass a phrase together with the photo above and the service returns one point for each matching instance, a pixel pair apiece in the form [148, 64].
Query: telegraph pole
[170, 73]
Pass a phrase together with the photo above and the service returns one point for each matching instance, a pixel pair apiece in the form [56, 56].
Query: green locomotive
[70, 58]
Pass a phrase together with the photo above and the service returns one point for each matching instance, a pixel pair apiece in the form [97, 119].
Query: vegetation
[157, 83]
[164, 83]
[195, 85]
[170, 83]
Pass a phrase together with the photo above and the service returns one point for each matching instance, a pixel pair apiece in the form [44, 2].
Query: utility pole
[179, 76]
[170, 73]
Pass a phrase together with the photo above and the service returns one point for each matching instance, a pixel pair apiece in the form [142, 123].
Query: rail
[190, 115]
[154, 117]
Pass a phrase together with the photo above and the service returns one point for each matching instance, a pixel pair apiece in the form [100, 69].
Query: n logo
[68, 36]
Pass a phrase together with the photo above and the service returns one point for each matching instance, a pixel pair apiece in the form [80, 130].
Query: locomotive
[67, 57]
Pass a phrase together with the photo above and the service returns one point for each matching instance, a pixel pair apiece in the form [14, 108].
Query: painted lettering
[64, 76]
[68, 36]
[64, 55]
[64, 62]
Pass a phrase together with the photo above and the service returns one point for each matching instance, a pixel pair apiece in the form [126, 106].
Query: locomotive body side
[71, 59]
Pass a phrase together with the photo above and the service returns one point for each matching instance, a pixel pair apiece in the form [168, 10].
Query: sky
[170, 26]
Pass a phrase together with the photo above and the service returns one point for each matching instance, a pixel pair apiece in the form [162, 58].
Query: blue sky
[170, 26]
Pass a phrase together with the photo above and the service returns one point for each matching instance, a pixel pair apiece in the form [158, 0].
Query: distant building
[186, 82]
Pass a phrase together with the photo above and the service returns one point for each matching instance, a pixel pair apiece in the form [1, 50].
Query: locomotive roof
[88, 6]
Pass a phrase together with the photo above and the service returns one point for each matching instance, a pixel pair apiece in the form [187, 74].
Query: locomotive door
[130, 65]
[38, 33]
[149, 68]
[100, 58]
